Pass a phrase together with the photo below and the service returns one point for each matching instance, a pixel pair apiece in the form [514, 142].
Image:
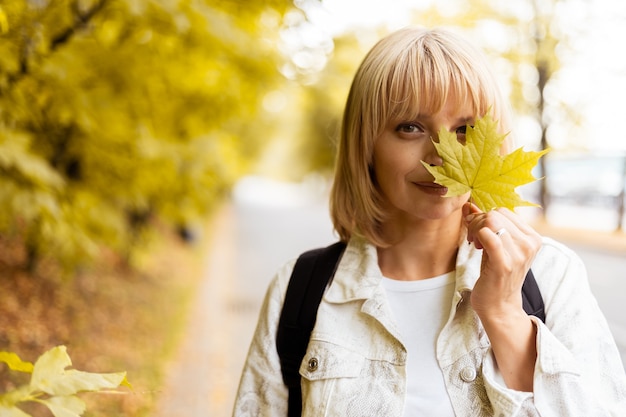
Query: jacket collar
[358, 275]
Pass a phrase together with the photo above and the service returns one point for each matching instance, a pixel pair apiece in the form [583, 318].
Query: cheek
[392, 168]
[396, 161]
[385, 164]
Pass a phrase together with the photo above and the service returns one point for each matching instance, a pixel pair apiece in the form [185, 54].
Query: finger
[527, 239]
[470, 208]
[494, 220]
[501, 231]
[470, 214]
[506, 239]
[486, 226]
[491, 241]
[519, 223]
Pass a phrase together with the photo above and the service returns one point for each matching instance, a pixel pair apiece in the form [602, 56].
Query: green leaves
[53, 385]
[478, 168]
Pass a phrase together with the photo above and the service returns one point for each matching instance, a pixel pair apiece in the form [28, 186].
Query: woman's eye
[409, 128]
[460, 133]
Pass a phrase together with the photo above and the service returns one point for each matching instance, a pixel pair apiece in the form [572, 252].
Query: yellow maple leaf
[477, 167]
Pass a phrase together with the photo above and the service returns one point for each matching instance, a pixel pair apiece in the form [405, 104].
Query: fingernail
[469, 217]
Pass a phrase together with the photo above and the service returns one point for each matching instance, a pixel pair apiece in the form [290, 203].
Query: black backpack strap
[311, 274]
[531, 297]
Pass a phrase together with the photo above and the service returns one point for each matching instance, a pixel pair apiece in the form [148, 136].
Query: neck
[420, 251]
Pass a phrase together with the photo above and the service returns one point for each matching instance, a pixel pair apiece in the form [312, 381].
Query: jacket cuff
[505, 401]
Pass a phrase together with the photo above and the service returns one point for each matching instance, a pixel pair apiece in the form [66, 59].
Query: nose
[432, 157]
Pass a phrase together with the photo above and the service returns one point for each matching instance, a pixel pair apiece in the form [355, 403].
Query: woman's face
[406, 185]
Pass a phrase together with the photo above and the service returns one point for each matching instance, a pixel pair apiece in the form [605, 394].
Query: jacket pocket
[339, 382]
[325, 360]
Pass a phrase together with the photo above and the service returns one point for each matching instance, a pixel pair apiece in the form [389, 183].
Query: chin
[442, 211]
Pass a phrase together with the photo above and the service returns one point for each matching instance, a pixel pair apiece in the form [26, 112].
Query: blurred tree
[117, 112]
[323, 102]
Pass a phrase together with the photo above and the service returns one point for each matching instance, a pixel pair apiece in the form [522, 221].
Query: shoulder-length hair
[411, 71]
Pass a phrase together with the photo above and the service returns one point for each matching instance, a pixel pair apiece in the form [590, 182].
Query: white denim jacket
[360, 360]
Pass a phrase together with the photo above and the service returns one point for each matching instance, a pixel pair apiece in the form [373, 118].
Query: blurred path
[607, 275]
[268, 224]
[201, 378]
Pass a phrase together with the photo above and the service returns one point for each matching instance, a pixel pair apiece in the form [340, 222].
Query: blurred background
[159, 160]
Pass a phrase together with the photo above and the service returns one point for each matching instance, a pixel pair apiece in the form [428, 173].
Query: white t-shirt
[421, 309]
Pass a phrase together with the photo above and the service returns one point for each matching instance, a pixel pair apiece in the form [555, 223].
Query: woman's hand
[509, 247]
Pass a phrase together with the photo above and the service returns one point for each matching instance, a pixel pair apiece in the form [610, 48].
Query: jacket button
[313, 364]
[468, 374]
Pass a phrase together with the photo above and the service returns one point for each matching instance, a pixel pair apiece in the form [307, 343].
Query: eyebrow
[466, 120]
[461, 120]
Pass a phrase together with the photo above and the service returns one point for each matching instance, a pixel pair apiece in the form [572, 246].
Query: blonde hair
[411, 71]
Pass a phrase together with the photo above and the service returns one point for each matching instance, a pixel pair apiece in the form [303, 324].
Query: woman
[424, 315]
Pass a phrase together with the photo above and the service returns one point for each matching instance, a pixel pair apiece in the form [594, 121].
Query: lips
[431, 188]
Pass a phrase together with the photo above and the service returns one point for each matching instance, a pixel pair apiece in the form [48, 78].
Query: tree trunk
[621, 197]
[544, 192]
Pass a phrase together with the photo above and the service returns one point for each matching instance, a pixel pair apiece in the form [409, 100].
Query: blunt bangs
[425, 75]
